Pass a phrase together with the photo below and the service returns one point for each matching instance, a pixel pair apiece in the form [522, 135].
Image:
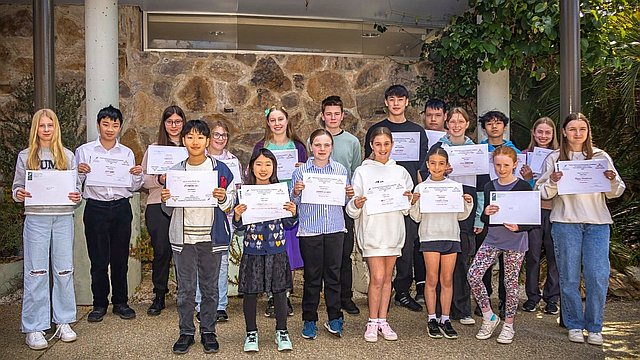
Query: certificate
[192, 188]
[583, 176]
[109, 171]
[162, 158]
[50, 187]
[264, 202]
[386, 196]
[536, 159]
[406, 146]
[287, 160]
[324, 189]
[441, 198]
[434, 136]
[234, 166]
[469, 159]
[522, 159]
[516, 207]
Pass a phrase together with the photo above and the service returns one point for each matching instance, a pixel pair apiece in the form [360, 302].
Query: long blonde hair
[587, 146]
[56, 148]
[554, 141]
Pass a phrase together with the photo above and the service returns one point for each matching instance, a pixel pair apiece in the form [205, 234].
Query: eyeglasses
[217, 136]
[173, 122]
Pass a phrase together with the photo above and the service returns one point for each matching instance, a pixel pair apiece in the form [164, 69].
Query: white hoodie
[378, 234]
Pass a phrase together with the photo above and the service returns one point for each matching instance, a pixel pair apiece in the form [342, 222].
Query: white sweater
[588, 208]
[438, 226]
[378, 234]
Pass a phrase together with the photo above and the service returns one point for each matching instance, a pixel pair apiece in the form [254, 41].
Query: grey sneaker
[506, 335]
[487, 328]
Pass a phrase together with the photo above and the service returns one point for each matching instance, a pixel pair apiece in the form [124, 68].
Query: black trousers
[346, 270]
[107, 228]
[404, 264]
[322, 256]
[540, 237]
[158, 225]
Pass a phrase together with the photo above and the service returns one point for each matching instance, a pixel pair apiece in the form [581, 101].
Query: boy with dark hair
[434, 115]
[396, 98]
[346, 151]
[107, 217]
[198, 237]
[494, 124]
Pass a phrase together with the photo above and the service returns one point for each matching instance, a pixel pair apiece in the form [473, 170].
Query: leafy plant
[143, 251]
[11, 220]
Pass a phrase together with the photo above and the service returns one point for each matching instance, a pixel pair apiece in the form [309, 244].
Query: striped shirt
[316, 219]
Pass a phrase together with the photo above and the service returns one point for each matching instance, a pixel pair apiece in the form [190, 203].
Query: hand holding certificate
[441, 198]
[536, 159]
[386, 196]
[469, 159]
[515, 207]
[191, 188]
[324, 189]
[162, 158]
[583, 176]
[50, 187]
[287, 160]
[109, 171]
[264, 202]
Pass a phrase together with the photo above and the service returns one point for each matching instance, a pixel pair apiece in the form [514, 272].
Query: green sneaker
[251, 342]
[283, 340]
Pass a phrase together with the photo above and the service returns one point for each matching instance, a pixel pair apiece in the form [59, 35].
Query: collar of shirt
[311, 165]
[98, 145]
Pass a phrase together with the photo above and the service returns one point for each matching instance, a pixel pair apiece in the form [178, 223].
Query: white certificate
[386, 196]
[192, 188]
[469, 159]
[50, 187]
[441, 198]
[109, 171]
[522, 159]
[583, 176]
[324, 189]
[287, 160]
[264, 202]
[434, 136]
[406, 146]
[162, 158]
[516, 207]
[536, 158]
[234, 166]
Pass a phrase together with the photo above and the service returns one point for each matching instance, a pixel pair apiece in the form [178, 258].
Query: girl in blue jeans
[47, 236]
[580, 227]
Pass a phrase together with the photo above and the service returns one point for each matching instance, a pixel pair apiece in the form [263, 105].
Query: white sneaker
[576, 336]
[36, 340]
[467, 320]
[487, 328]
[595, 338]
[506, 335]
[65, 333]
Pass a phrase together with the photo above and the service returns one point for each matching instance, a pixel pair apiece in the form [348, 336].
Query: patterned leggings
[484, 258]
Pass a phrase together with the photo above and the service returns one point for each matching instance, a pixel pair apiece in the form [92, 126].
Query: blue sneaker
[309, 330]
[334, 326]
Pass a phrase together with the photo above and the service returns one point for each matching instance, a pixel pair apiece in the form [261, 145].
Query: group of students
[448, 255]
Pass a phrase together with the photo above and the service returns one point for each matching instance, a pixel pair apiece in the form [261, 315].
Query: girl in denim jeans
[580, 227]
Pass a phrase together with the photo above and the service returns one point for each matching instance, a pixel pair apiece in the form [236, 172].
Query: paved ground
[537, 336]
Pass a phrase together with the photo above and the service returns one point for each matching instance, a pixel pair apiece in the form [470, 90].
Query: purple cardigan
[302, 150]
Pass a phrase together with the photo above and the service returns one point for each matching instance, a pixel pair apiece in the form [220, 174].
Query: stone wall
[205, 84]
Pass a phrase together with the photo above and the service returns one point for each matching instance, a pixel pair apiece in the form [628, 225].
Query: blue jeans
[223, 285]
[44, 234]
[586, 246]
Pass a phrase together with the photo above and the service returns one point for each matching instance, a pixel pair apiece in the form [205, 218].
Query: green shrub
[11, 220]
[143, 251]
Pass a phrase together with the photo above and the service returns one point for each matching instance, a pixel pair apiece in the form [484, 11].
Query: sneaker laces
[57, 333]
[486, 326]
[252, 337]
[507, 332]
[284, 335]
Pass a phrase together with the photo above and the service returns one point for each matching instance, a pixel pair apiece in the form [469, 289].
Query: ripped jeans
[44, 235]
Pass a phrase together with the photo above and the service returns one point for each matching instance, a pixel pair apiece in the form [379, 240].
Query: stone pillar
[44, 55]
[493, 94]
[569, 58]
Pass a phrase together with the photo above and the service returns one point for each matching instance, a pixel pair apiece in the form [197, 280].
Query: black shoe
[529, 306]
[501, 310]
[433, 329]
[198, 316]
[209, 342]
[477, 311]
[270, 311]
[405, 300]
[447, 330]
[551, 308]
[182, 345]
[350, 307]
[289, 307]
[97, 314]
[420, 293]
[222, 315]
[124, 311]
[156, 306]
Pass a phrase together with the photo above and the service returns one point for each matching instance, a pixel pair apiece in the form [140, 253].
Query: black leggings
[250, 305]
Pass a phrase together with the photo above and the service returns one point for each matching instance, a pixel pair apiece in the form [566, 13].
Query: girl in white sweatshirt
[379, 235]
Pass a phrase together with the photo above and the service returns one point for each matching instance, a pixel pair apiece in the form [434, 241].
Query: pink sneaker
[371, 334]
[387, 332]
